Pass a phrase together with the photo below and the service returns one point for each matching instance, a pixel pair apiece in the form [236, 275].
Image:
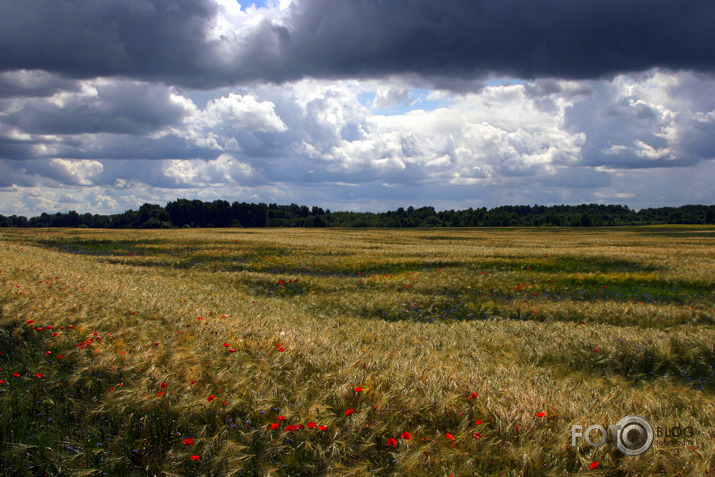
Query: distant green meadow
[295, 352]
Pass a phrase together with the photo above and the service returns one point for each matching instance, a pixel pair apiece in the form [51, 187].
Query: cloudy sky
[356, 104]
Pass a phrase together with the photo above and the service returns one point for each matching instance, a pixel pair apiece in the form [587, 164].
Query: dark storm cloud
[88, 38]
[21, 83]
[167, 41]
[14, 149]
[125, 146]
[524, 38]
[118, 107]
[698, 140]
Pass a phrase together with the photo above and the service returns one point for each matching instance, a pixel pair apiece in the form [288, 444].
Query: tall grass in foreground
[343, 352]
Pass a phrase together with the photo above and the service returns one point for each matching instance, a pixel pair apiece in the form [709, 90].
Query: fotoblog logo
[633, 435]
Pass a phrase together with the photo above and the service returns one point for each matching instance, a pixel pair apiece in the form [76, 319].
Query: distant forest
[220, 213]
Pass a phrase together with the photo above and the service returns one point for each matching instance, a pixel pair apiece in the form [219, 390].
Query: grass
[262, 336]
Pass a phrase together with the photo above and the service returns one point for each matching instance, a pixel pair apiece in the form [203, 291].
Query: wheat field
[296, 352]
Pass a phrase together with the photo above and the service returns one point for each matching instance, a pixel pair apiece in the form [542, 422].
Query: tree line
[220, 213]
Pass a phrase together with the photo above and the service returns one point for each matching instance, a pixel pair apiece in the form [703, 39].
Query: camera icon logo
[633, 435]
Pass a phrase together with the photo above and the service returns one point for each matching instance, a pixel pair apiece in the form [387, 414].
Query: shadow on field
[101, 247]
[688, 363]
[677, 233]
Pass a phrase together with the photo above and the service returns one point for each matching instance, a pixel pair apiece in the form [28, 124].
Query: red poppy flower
[406, 436]
[162, 385]
[593, 465]
[189, 441]
[391, 442]
[312, 425]
[477, 422]
[210, 398]
[160, 393]
[540, 414]
[473, 396]
[48, 353]
[281, 418]
[322, 428]
[358, 389]
[195, 457]
[156, 343]
[477, 435]
[38, 375]
[274, 426]
[192, 382]
[449, 436]
[517, 427]
[349, 412]
[16, 374]
[231, 350]
[225, 345]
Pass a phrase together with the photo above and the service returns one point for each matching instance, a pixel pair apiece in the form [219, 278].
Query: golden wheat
[438, 328]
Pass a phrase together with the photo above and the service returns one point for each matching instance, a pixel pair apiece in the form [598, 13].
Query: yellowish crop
[354, 352]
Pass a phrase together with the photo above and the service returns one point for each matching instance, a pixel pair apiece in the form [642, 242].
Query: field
[354, 352]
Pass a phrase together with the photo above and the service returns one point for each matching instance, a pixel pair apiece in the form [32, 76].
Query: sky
[365, 105]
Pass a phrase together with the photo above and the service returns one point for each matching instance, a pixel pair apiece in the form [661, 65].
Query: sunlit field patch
[346, 352]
